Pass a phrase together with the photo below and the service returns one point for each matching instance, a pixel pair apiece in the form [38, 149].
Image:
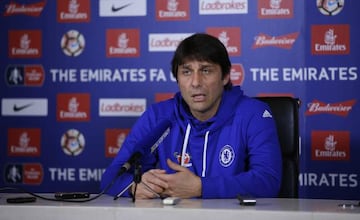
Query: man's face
[201, 86]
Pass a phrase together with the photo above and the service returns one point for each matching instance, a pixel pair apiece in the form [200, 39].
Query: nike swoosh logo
[19, 108]
[114, 9]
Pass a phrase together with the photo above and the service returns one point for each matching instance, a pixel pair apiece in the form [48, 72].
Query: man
[221, 143]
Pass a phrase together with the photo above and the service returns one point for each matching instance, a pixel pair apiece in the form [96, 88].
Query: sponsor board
[24, 142]
[330, 145]
[121, 107]
[216, 7]
[166, 41]
[24, 107]
[114, 8]
[73, 107]
[70, 11]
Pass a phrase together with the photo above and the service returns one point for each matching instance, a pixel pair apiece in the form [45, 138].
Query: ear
[226, 79]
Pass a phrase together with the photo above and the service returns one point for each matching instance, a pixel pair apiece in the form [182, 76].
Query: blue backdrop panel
[77, 74]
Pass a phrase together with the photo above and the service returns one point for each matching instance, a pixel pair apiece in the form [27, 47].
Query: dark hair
[202, 47]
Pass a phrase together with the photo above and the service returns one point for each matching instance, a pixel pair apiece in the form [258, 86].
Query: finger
[143, 193]
[175, 166]
[157, 171]
[153, 187]
[153, 180]
[152, 190]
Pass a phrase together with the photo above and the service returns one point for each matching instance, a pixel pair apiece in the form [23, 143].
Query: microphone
[153, 139]
[133, 159]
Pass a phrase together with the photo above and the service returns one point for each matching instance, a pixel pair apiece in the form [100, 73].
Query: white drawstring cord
[187, 134]
[204, 154]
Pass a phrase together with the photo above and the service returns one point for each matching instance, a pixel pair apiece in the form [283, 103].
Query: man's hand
[183, 183]
[151, 186]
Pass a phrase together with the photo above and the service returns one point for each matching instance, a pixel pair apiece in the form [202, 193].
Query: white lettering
[87, 174]
[62, 174]
[329, 179]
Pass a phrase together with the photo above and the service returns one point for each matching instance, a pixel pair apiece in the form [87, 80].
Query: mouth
[198, 97]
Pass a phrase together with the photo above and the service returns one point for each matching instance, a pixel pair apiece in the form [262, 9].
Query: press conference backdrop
[78, 73]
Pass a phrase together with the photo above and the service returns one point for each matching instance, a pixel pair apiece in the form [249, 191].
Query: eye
[206, 71]
[185, 72]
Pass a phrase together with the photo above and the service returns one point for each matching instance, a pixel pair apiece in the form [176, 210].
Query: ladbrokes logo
[121, 107]
[73, 10]
[284, 41]
[114, 139]
[165, 42]
[25, 75]
[172, 10]
[25, 44]
[237, 74]
[330, 39]
[213, 7]
[230, 37]
[275, 8]
[340, 109]
[122, 43]
[33, 9]
[73, 107]
[26, 173]
[24, 142]
[330, 145]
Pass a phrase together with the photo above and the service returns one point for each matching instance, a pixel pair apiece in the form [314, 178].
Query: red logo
[122, 43]
[330, 39]
[275, 9]
[34, 75]
[73, 107]
[34, 9]
[172, 10]
[163, 96]
[114, 139]
[73, 11]
[24, 142]
[187, 158]
[32, 173]
[230, 37]
[237, 74]
[25, 44]
[340, 108]
[330, 145]
[284, 41]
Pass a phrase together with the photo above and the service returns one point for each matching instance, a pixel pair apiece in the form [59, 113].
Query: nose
[196, 79]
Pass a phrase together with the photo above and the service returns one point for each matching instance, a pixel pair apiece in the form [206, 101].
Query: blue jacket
[235, 152]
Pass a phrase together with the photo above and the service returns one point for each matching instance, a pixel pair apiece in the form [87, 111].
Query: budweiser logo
[284, 41]
[340, 109]
[34, 9]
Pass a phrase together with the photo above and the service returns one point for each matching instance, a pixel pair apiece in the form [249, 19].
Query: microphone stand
[136, 181]
[137, 178]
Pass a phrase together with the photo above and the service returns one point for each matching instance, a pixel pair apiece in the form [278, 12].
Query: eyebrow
[201, 65]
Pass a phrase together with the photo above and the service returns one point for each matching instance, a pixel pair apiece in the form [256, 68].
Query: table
[105, 208]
